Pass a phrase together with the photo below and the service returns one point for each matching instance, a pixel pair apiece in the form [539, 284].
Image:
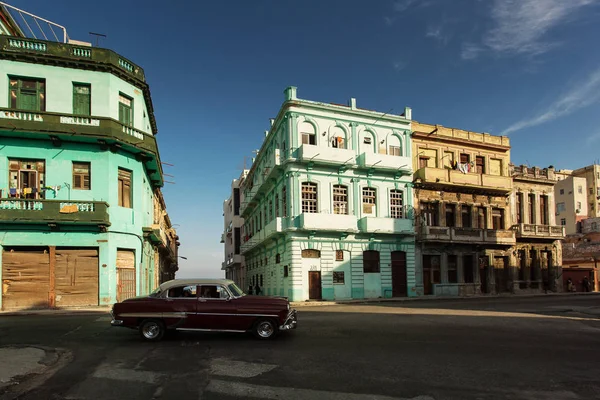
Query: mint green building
[327, 204]
[79, 167]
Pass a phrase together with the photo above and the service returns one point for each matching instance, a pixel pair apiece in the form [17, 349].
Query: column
[460, 268]
[442, 213]
[536, 209]
[444, 267]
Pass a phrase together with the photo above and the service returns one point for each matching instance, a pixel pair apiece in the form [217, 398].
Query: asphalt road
[534, 348]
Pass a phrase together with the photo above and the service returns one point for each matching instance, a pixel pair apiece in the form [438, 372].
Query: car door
[180, 306]
[215, 309]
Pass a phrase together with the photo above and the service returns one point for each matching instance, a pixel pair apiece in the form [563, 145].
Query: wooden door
[25, 279]
[126, 282]
[314, 285]
[76, 277]
[399, 286]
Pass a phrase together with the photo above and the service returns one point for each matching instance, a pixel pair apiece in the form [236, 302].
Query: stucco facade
[327, 204]
[571, 200]
[231, 237]
[80, 176]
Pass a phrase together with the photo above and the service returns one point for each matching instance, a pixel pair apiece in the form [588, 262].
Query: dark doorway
[314, 285]
[483, 271]
[399, 286]
[501, 272]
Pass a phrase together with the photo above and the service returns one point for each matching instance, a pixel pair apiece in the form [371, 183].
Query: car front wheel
[152, 330]
[265, 329]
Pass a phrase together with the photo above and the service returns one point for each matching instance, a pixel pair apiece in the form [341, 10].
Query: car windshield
[155, 293]
[237, 292]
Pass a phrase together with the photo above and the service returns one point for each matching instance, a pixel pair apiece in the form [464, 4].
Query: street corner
[29, 366]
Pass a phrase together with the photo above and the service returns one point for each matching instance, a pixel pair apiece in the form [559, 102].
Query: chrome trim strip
[239, 315]
[155, 315]
[209, 330]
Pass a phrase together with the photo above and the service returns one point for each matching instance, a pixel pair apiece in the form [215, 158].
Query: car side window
[182, 292]
[213, 292]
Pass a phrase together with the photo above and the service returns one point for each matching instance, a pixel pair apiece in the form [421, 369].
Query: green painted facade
[59, 135]
[372, 151]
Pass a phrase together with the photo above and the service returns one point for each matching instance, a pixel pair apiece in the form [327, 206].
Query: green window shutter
[28, 101]
[125, 110]
[82, 99]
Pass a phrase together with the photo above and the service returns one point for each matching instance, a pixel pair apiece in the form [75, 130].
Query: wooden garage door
[25, 279]
[76, 279]
[125, 274]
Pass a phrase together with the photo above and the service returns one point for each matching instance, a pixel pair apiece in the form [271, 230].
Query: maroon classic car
[204, 305]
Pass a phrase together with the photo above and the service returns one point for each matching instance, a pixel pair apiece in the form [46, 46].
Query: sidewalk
[61, 311]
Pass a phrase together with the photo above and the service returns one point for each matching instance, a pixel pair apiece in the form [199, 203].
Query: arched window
[394, 146]
[396, 204]
[337, 138]
[340, 199]
[370, 261]
[368, 142]
[308, 134]
[311, 253]
[309, 197]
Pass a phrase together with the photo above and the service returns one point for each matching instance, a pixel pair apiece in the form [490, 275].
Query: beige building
[538, 251]
[231, 237]
[165, 241]
[571, 199]
[462, 189]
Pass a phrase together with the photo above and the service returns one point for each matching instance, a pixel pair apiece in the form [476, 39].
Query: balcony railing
[69, 53]
[386, 225]
[385, 161]
[327, 222]
[23, 211]
[466, 235]
[326, 155]
[58, 127]
[442, 176]
[539, 231]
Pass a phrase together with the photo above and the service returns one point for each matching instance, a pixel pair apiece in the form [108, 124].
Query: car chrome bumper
[290, 322]
[116, 322]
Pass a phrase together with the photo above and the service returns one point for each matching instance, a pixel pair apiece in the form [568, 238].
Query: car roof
[186, 282]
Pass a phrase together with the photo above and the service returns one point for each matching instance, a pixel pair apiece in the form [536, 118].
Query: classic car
[209, 305]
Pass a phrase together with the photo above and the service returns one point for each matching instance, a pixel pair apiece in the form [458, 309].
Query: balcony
[385, 162]
[251, 242]
[327, 222]
[539, 231]
[106, 132]
[234, 259]
[466, 235]
[40, 51]
[386, 225]
[326, 155]
[456, 179]
[52, 212]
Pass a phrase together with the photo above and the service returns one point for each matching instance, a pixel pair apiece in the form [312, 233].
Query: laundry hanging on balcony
[463, 167]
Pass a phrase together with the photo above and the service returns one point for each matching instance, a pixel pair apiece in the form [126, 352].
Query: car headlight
[288, 306]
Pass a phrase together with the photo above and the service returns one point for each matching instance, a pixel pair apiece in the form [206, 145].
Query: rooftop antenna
[98, 35]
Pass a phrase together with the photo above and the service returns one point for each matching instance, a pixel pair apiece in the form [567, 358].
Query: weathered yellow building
[462, 189]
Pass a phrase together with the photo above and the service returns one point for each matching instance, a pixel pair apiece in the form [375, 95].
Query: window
[468, 274]
[579, 189]
[495, 167]
[284, 201]
[531, 208]
[448, 160]
[277, 258]
[519, 204]
[340, 199]
[82, 104]
[27, 94]
[339, 255]
[430, 213]
[261, 280]
[370, 261]
[286, 271]
[125, 188]
[452, 269]
[579, 205]
[125, 110]
[236, 201]
[481, 218]
[309, 137]
[591, 190]
[396, 204]
[465, 158]
[369, 200]
[594, 226]
[563, 221]
[450, 215]
[309, 197]
[270, 210]
[276, 205]
[26, 178]
[338, 277]
[480, 164]
[394, 151]
[237, 233]
[213, 292]
[81, 175]
[466, 216]
[497, 218]
[544, 210]
[188, 292]
[423, 161]
[338, 142]
[562, 191]
[560, 207]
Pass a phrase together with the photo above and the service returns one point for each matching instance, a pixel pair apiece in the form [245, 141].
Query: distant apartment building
[232, 234]
[538, 249]
[462, 189]
[581, 259]
[82, 218]
[327, 204]
[590, 225]
[571, 202]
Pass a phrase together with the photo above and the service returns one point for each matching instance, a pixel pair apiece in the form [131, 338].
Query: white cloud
[519, 26]
[403, 5]
[582, 95]
[400, 65]
[438, 33]
[470, 51]
[389, 21]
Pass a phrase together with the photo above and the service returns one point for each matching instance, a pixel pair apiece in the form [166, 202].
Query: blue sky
[529, 69]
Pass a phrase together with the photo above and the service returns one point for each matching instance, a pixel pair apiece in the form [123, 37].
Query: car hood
[264, 299]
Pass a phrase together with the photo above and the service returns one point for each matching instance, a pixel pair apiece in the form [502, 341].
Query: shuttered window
[125, 110]
[81, 176]
[125, 188]
[82, 99]
[27, 94]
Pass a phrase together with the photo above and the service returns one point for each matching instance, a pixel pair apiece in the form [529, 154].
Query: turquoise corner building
[327, 204]
[79, 171]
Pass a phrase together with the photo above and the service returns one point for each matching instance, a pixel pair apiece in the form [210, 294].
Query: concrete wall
[573, 192]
